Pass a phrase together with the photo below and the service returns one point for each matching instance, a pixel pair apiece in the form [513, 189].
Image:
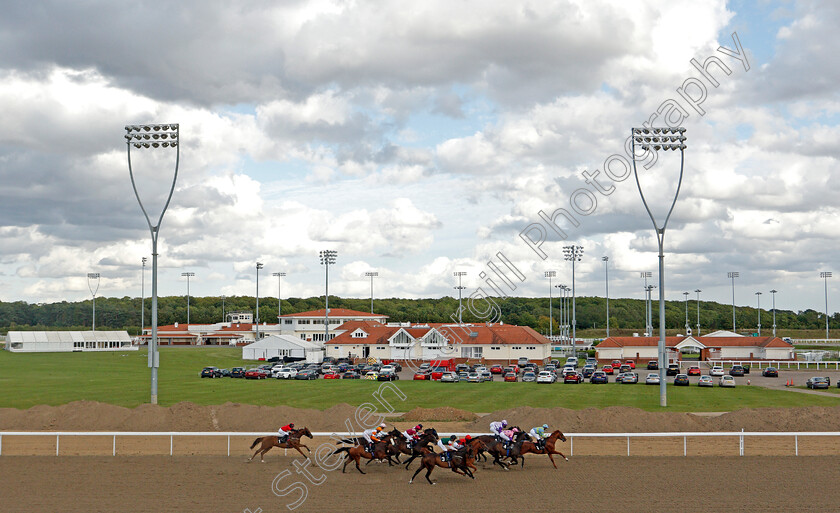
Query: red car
[421, 376]
[496, 369]
[254, 374]
[332, 375]
[511, 377]
[694, 371]
[608, 369]
[573, 377]
[631, 363]
[437, 373]
[616, 364]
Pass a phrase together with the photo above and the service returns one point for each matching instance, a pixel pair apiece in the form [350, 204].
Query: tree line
[627, 314]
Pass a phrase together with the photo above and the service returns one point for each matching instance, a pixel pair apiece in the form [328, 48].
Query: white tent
[283, 346]
[59, 341]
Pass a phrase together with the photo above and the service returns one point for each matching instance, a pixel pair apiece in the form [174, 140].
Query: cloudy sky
[418, 141]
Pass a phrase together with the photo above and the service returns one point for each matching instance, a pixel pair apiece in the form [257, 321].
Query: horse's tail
[346, 441]
[341, 449]
[258, 440]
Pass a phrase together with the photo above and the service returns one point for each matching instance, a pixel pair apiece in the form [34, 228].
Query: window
[17, 345]
[471, 352]
[380, 347]
[495, 348]
[287, 321]
[359, 334]
[531, 347]
[336, 347]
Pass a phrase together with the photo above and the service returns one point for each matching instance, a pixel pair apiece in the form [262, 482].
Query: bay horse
[497, 449]
[460, 462]
[292, 442]
[357, 452]
[429, 436]
[527, 447]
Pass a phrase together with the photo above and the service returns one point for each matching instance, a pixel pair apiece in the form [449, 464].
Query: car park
[818, 382]
[672, 370]
[694, 371]
[616, 364]
[608, 369]
[307, 374]
[210, 372]
[388, 368]
[511, 377]
[253, 374]
[566, 370]
[681, 380]
[631, 363]
[572, 377]
[705, 381]
[546, 377]
[496, 369]
[474, 377]
[717, 370]
[599, 377]
[652, 365]
[421, 376]
[463, 375]
[770, 372]
[449, 377]
[587, 371]
[507, 370]
[727, 382]
[350, 375]
[736, 370]
[237, 372]
[630, 378]
[572, 360]
[624, 368]
[652, 379]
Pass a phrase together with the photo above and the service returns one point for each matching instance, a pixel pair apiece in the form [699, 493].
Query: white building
[717, 346]
[284, 346]
[67, 341]
[310, 325]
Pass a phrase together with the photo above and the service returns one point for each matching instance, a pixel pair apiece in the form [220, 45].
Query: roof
[723, 333]
[68, 336]
[283, 341]
[495, 334]
[336, 312]
[707, 341]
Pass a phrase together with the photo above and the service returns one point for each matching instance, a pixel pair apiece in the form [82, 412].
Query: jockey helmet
[291, 424]
[545, 426]
[452, 438]
[504, 423]
[379, 428]
[418, 426]
[468, 438]
[383, 426]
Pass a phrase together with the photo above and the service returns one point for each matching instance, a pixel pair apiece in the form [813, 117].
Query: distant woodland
[625, 314]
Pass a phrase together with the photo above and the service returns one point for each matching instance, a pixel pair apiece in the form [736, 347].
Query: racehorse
[357, 452]
[460, 462]
[291, 442]
[526, 447]
[497, 449]
[429, 436]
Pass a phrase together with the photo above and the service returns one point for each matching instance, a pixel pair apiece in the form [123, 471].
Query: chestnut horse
[357, 452]
[460, 462]
[292, 442]
[527, 447]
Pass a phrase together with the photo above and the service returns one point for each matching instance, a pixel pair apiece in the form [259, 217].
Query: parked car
[587, 371]
[508, 370]
[529, 377]
[522, 361]
[474, 377]
[705, 381]
[770, 372]
[421, 376]
[387, 376]
[307, 374]
[285, 373]
[546, 377]
[727, 382]
[630, 378]
[449, 377]
[599, 378]
[652, 379]
[717, 370]
[209, 372]
[591, 361]
[462, 367]
[736, 370]
[511, 377]
[225, 373]
[694, 371]
[631, 363]
[818, 382]
[681, 380]
[350, 375]
[388, 368]
[496, 369]
[237, 372]
[333, 375]
[624, 368]
[672, 370]
[437, 372]
[486, 376]
[616, 364]
[371, 375]
[572, 360]
[463, 376]
[652, 365]
[572, 377]
[608, 369]
[254, 374]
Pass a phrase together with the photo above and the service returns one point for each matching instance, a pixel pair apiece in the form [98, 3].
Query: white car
[545, 377]
[717, 370]
[652, 379]
[480, 369]
[388, 368]
[284, 373]
[572, 360]
[727, 381]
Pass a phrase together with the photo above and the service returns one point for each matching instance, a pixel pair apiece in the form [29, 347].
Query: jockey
[418, 429]
[497, 427]
[372, 436]
[409, 434]
[452, 445]
[465, 441]
[285, 431]
[538, 434]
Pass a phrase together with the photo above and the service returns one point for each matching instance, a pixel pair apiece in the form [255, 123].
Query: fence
[741, 436]
[758, 364]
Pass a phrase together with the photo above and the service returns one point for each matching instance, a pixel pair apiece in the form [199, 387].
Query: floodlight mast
[660, 139]
[328, 257]
[257, 324]
[93, 291]
[550, 275]
[606, 261]
[825, 276]
[698, 291]
[188, 276]
[773, 292]
[732, 275]
[371, 275]
[459, 275]
[573, 253]
[154, 136]
[142, 296]
[279, 301]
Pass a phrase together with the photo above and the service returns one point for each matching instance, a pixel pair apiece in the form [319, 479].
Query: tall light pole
[154, 136]
[825, 276]
[698, 291]
[758, 299]
[188, 275]
[279, 304]
[656, 139]
[649, 328]
[606, 261]
[687, 328]
[93, 291]
[550, 275]
[573, 253]
[459, 274]
[257, 317]
[732, 275]
[371, 275]
[223, 308]
[648, 322]
[142, 295]
[561, 322]
[773, 293]
[328, 257]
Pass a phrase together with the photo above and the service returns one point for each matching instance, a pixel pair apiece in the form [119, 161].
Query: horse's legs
[357, 458]
[415, 474]
[553, 451]
[552, 460]
[407, 463]
[346, 461]
[302, 445]
[297, 448]
[428, 472]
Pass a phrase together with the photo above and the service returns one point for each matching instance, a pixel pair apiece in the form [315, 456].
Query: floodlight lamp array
[660, 138]
[573, 252]
[152, 136]
[328, 256]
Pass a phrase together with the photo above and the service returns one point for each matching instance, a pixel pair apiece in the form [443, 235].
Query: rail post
[170, 445]
[741, 445]
[685, 446]
[114, 447]
[56, 445]
[796, 444]
[571, 446]
[228, 437]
